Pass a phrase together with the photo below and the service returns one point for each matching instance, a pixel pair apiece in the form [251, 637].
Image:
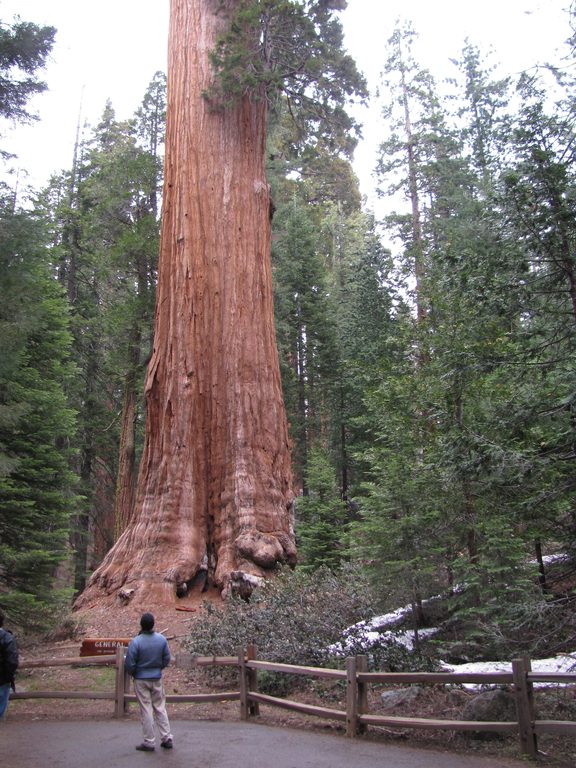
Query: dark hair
[147, 622]
[1, 617]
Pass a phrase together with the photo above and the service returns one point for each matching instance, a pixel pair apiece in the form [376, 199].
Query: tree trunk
[215, 483]
[417, 245]
[124, 497]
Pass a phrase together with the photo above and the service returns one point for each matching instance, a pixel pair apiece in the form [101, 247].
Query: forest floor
[123, 621]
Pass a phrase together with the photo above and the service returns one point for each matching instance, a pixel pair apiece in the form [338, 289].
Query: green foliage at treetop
[291, 50]
[24, 48]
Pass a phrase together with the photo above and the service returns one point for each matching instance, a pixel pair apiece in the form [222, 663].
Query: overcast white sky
[112, 48]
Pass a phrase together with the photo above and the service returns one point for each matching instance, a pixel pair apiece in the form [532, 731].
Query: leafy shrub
[301, 618]
[294, 618]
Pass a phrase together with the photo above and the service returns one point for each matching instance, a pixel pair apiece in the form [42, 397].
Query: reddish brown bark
[215, 478]
[124, 498]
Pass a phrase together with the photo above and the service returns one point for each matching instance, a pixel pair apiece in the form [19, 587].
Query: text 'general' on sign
[102, 646]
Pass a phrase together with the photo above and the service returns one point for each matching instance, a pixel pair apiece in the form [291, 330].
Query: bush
[301, 618]
[294, 618]
[32, 615]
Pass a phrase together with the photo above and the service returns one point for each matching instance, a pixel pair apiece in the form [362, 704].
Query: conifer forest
[213, 351]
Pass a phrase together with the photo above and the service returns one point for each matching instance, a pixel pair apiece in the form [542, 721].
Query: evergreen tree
[291, 52]
[402, 527]
[482, 109]
[411, 103]
[105, 235]
[24, 49]
[440, 472]
[537, 201]
[36, 424]
[305, 327]
[321, 516]
[364, 296]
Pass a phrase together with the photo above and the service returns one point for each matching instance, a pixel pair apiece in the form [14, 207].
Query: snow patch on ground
[381, 628]
[562, 663]
[367, 639]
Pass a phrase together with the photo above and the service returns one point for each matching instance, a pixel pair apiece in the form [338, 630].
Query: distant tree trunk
[126, 475]
[541, 567]
[417, 245]
[124, 497]
[215, 481]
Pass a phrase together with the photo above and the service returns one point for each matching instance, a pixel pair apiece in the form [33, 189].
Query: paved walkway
[202, 744]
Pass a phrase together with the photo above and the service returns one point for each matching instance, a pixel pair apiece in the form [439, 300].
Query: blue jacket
[147, 655]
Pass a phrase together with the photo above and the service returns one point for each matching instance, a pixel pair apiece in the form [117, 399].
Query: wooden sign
[102, 646]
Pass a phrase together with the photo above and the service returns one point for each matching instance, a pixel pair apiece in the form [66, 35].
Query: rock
[125, 595]
[490, 706]
[243, 584]
[392, 699]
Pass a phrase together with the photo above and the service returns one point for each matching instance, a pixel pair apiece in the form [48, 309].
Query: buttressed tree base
[214, 496]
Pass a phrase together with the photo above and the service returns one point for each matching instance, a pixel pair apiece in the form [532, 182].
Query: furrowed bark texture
[215, 485]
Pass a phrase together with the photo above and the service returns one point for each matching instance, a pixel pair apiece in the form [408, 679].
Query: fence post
[244, 684]
[253, 706]
[120, 683]
[127, 679]
[351, 697]
[362, 666]
[524, 696]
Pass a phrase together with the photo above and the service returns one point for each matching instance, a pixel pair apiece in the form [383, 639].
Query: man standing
[8, 664]
[148, 654]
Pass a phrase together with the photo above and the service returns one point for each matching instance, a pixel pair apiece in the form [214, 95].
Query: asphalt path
[205, 744]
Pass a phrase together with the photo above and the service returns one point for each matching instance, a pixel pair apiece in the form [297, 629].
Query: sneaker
[167, 744]
[145, 747]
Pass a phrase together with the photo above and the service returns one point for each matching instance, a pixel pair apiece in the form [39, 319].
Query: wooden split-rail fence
[356, 716]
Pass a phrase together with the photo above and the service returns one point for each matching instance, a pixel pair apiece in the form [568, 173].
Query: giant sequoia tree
[215, 486]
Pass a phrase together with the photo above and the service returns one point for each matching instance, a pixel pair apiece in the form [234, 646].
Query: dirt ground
[123, 621]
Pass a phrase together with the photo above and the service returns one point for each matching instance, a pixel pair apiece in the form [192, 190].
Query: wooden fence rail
[357, 679]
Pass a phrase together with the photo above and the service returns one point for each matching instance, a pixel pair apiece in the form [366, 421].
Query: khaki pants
[150, 696]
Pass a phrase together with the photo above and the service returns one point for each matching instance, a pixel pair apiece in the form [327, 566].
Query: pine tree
[24, 49]
[36, 424]
[105, 236]
[306, 330]
[436, 465]
[537, 202]
[364, 296]
[321, 516]
[483, 104]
